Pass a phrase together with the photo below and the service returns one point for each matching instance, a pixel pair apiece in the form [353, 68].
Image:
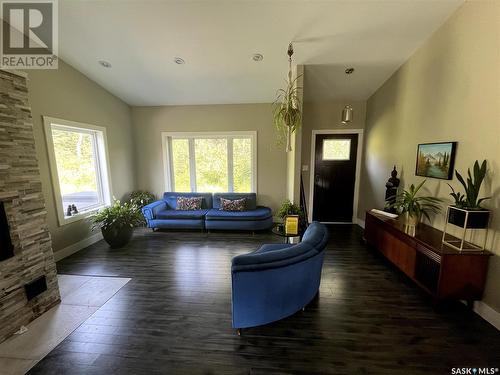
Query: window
[336, 149]
[210, 162]
[78, 163]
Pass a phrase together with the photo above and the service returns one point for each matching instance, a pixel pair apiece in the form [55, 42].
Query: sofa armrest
[149, 211]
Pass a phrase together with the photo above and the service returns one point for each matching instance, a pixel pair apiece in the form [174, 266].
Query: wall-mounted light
[347, 113]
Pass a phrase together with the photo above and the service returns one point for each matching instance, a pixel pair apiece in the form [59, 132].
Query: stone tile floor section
[81, 296]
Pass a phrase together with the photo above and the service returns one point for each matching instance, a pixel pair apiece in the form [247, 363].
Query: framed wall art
[436, 160]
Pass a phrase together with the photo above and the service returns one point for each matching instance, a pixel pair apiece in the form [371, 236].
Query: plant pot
[476, 219]
[117, 236]
[410, 220]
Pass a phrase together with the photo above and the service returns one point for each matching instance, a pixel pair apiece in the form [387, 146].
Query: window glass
[180, 155]
[242, 165]
[75, 154]
[211, 164]
[336, 149]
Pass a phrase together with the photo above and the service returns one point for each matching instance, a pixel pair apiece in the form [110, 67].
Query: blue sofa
[163, 213]
[277, 280]
[254, 218]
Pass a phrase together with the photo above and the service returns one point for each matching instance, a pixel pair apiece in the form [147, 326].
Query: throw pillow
[189, 203]
[232, 204]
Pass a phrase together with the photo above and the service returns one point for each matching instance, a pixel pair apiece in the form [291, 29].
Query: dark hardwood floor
[174, 316]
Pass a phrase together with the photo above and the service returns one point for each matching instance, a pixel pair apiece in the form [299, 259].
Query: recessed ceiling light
[349, 71]
[105, 63]
[257, 57]
[179, 60]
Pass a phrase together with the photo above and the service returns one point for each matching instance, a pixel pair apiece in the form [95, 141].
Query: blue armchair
[277, 280]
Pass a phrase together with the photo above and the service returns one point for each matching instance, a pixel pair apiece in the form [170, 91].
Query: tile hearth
[81, 296]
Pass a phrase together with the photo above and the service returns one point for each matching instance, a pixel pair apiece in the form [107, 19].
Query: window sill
[80, 216]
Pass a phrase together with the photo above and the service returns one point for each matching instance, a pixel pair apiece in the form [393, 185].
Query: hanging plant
[287, 114]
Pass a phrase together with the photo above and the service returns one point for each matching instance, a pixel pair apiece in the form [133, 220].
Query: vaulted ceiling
[217, 40]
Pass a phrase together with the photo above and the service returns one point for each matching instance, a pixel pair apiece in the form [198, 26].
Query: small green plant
[472, 186]
[141, 198]
[289, 208]
[459, 198]
[118, 215]
[416, 207]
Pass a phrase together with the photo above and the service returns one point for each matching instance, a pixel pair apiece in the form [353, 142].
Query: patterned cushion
[232, 204]
[192, 203]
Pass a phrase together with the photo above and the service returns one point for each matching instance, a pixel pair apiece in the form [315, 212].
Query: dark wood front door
[334, 177]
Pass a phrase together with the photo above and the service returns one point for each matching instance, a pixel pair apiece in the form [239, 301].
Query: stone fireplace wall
[21, 193]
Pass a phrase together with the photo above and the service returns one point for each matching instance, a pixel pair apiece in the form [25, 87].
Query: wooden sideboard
[441, 271]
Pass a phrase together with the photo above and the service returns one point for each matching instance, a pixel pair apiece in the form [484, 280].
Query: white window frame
[101, 162]
[191, 136]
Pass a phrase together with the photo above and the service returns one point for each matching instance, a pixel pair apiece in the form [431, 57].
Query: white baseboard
[487, 313]
[71, 249]
[360, 222]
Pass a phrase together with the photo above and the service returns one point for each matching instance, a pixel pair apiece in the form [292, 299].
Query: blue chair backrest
[316, 235]
[316, 238]
[251, 199]
[171, 199]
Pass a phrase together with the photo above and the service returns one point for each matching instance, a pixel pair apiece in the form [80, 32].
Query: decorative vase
[411, 220]
[117, 237]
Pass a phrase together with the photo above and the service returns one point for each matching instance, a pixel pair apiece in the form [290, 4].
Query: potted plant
[289, 208]
[467, 211]
[414, 207]
[117, 222]
[286, 108]
[141, 198]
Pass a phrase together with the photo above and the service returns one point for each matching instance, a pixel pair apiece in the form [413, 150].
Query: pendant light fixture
[347, 112]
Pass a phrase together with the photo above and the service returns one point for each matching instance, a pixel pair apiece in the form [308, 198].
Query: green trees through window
[79, 167]
[212, 164]
[76, 167]
[242, 165]
[180, 164]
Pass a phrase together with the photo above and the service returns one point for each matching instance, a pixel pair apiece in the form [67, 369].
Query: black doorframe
[314, 133]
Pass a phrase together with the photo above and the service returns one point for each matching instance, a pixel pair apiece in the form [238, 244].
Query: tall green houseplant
[467, 211]
[472, 187]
